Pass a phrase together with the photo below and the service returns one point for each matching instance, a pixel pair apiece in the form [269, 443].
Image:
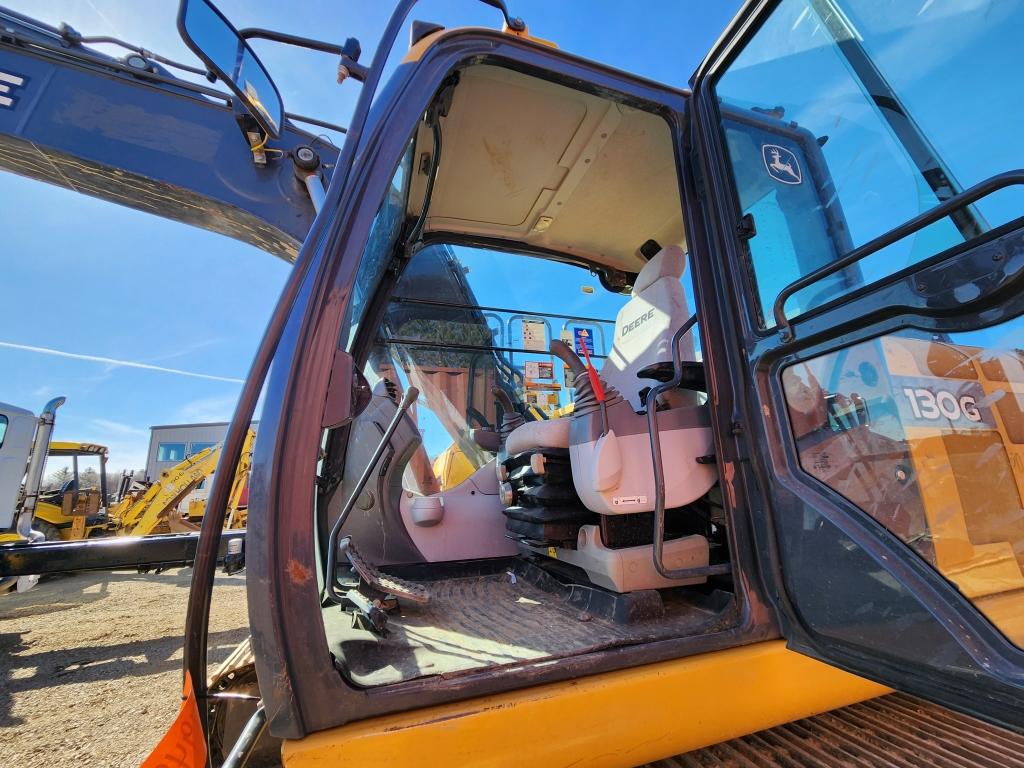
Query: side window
[924, 434]
[3, 429]
[170, 452]
[839, 128]
[387, 224]
[195, 448]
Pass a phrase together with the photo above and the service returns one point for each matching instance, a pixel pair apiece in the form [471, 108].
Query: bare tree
[56, 480]
[88, 478]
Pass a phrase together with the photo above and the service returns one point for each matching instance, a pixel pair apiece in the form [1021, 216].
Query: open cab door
[492, 466]
[863, 175]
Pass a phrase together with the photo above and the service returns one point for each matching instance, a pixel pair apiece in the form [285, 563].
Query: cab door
[864, 208]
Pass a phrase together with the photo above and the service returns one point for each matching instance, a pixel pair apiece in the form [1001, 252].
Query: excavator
[787, 480]
[155, 509]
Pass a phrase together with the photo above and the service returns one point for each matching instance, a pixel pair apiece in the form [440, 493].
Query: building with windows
[170, 444]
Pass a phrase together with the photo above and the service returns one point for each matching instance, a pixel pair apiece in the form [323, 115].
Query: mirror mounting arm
[250, 33]
[349, 52]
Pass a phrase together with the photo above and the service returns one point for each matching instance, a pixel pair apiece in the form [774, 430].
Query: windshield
[462, 321]
[844, 120]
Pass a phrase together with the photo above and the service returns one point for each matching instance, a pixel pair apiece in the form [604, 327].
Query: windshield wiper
[920, 150]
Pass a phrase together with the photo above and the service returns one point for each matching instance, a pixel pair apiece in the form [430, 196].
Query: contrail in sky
[120, 363]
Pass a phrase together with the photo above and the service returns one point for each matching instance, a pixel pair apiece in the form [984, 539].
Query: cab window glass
[925, 434]
[462, 321]
[844, 120]
[380, 246]
[3, 429]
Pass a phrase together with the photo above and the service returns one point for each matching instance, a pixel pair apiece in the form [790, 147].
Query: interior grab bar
[941, 211]
[659, 469]
[331, 580]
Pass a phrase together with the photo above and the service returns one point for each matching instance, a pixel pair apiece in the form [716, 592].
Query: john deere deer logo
[781, 164]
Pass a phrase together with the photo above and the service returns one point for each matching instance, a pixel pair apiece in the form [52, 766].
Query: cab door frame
[302, 691]
[964, 662]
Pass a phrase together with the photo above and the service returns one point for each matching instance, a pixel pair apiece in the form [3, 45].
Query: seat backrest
[645, 325]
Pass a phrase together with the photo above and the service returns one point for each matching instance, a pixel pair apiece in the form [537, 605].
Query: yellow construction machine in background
[73, 511]
[83, 507]
[155, 509]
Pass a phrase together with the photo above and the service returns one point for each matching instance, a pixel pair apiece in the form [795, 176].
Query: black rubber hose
[564, 352]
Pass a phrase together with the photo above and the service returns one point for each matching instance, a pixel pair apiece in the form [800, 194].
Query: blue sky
[85, 277]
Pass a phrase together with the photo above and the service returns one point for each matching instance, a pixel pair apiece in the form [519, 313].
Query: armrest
[487, 439]
[693, 374]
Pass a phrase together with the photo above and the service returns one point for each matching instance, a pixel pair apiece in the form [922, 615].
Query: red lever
[595, 380]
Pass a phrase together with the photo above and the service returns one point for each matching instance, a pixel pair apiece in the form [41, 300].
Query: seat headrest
[668, 262]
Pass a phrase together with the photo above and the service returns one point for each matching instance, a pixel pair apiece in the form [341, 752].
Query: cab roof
[535, 162]
[69, 448]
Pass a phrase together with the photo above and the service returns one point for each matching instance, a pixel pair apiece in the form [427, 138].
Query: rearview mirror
[212, 38]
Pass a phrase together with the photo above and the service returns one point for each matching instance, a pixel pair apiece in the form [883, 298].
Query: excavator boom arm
[142, 516]
[79, 119]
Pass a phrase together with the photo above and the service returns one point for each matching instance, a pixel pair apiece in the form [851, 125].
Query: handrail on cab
[968, 196]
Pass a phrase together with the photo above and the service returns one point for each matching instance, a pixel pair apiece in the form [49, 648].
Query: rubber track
[896, 731]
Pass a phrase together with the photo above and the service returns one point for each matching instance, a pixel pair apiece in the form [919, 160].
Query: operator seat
[594, 465]
[581, 488]
[643, 337]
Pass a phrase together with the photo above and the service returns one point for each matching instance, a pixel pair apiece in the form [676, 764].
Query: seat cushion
[553, 433]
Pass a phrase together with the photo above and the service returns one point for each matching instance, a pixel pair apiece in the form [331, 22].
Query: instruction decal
[781, 164]
[535, 336]
[628, 501]
[582, 337]
[539, 370]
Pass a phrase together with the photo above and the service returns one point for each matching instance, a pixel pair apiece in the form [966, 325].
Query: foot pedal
[392, 585]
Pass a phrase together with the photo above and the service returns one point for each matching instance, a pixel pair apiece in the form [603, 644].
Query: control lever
[332, 550]
[595, 384]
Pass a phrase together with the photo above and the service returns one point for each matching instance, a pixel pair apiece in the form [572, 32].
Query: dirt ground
[90, 675]
[90, 664]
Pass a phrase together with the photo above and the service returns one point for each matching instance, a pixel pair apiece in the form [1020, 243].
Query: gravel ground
[90, 664]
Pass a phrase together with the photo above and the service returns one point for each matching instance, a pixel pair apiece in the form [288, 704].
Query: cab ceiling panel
[105, 132]
[529, 160]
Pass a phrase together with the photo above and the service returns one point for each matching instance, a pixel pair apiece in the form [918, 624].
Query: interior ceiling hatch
[529, 160]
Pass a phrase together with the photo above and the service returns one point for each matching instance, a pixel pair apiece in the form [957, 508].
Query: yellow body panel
[927, 437]
[623, 718]
[55, 516]
[451, 467]
[973, 487]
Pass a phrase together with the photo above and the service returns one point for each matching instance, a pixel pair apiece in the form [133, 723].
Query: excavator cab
[731, 374]
[702, 461]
